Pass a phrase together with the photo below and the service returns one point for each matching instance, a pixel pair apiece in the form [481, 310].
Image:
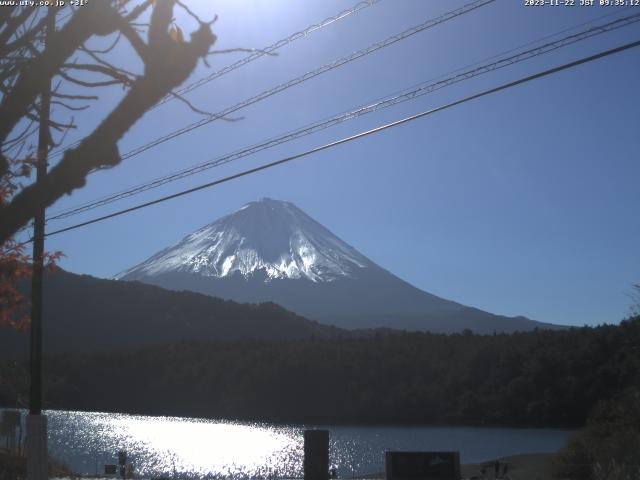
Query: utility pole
[37, 451]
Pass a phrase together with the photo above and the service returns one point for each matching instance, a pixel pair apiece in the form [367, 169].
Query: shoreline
[525, 466]
[312, 423]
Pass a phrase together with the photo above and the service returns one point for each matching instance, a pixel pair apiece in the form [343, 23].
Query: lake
[195, 448]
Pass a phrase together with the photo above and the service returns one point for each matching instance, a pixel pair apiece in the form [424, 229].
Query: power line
[527, 44]
[308, 76]
[244, 173]
[254, 55]
[386, 102]
[271, 48]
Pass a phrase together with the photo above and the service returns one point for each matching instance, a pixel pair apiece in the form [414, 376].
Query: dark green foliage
[538, 378]
[609, 446]
[86, 314]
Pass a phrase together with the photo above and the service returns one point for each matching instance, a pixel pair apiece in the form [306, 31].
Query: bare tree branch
[97, 18]
[13, 23]
[87, 84]
[195, 109]
[23, 40]
[167, 64]
[74, 97]
[134, 39]
[109, 72]
[106, 64]
[108, 49]
[69, 107]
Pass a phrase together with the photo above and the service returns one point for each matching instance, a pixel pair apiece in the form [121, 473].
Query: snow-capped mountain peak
[269, 237]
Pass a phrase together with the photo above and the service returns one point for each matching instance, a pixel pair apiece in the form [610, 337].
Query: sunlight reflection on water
[167, 445]
[184, 448]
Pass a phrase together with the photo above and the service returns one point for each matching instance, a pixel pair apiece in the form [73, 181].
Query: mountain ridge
[296, 247]
[270, 250]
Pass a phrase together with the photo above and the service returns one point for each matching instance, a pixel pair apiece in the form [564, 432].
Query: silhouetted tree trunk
[168, 61]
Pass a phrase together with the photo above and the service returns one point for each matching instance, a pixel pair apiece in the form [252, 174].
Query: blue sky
[521, 203]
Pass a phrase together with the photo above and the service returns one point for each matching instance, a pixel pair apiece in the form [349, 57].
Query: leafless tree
[75, 69]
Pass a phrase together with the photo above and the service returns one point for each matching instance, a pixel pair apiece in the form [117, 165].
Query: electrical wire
[308, 76]
[372, 131]
[256, 54]
[389, 101]
[271, 48]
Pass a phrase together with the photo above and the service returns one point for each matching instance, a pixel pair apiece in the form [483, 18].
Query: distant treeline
[539, 378]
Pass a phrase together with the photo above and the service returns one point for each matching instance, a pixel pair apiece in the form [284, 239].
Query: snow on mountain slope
[271, 251]
[268, 236]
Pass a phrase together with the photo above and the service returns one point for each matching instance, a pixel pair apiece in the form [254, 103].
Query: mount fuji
[270, 250]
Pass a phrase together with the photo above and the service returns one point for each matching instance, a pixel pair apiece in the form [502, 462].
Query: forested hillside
[85, 314]
[540, 378]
